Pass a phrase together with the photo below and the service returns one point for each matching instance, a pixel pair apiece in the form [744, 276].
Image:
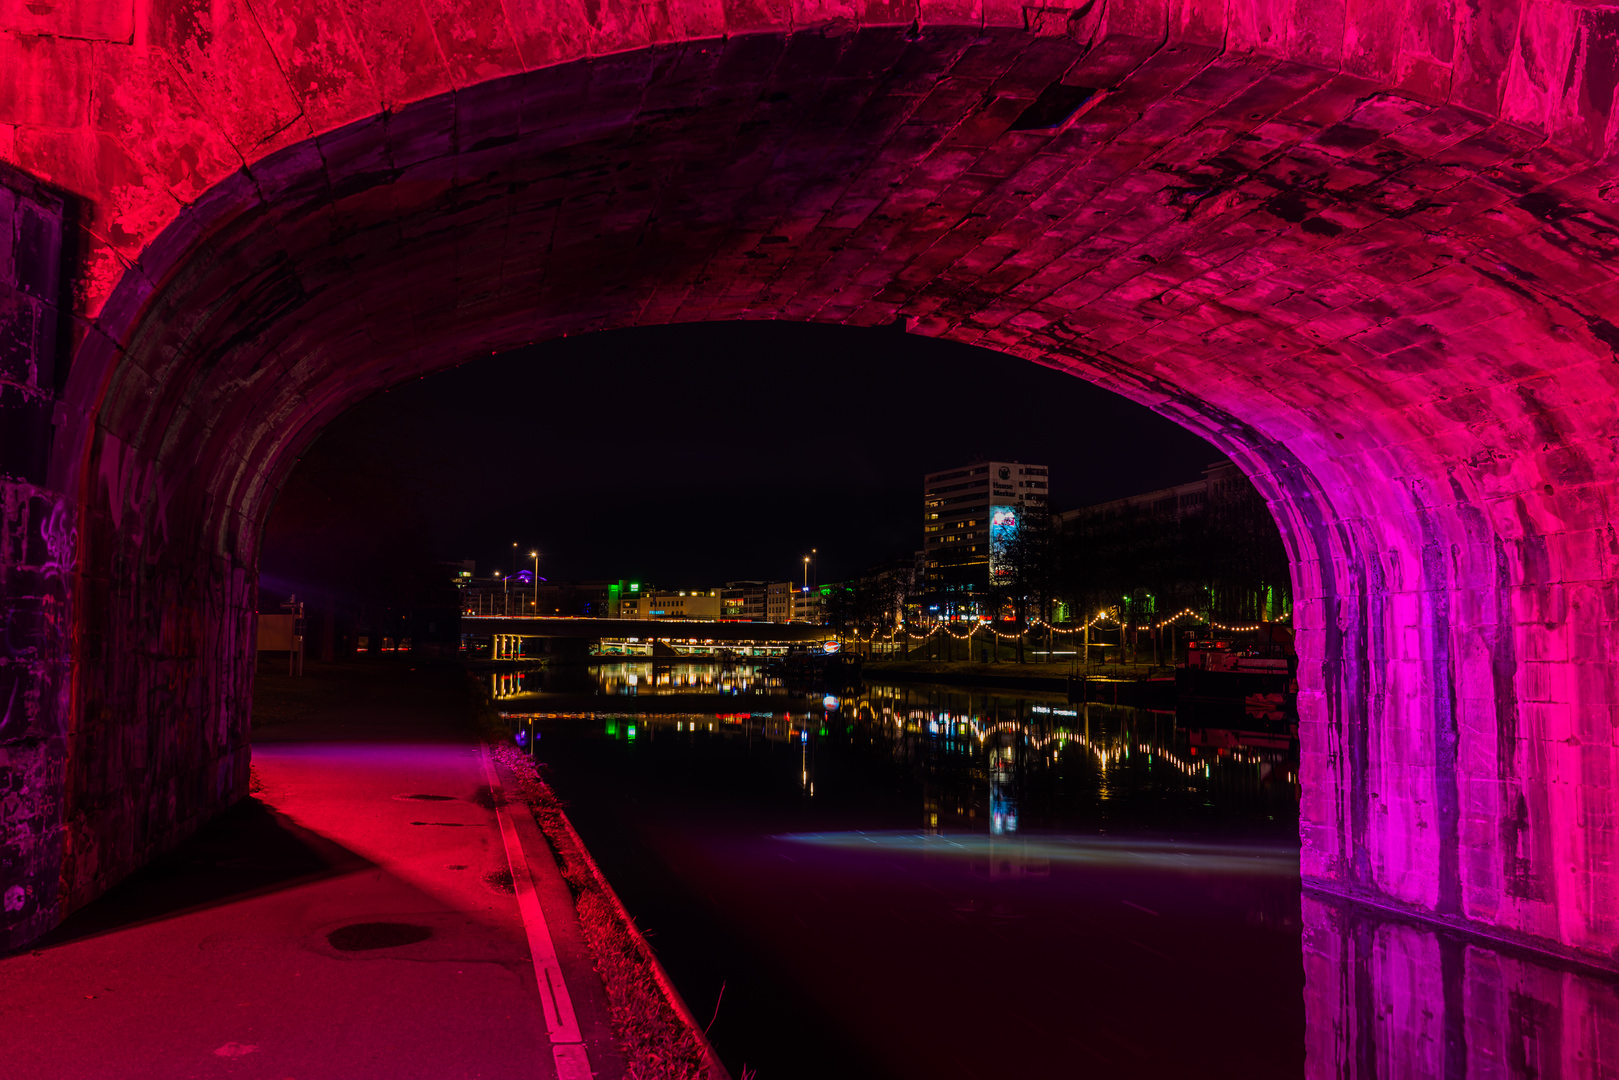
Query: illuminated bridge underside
[1364, 250]
[644, 629]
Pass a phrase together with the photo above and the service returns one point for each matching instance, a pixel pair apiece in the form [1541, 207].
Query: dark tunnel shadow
[249, 850]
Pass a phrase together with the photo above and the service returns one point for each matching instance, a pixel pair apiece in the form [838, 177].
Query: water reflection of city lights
[639, 679]
[998, 765]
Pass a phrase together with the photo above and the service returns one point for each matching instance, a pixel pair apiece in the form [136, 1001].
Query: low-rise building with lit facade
[744, 600]
[809, 605]
[1222, 481]
[779, 601]
[1209, 545]
[686, 604]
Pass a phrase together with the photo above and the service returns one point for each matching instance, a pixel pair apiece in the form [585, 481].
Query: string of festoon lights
[1100, 617]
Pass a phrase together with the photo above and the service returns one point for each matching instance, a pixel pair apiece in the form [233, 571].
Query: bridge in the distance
[507, 631]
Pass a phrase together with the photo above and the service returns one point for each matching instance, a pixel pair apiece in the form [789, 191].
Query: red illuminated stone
[1367, 251]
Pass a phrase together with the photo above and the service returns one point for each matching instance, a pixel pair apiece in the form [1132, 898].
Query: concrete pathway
[358, 918]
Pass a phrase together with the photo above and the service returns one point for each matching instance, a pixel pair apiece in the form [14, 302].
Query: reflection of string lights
[966, 736]
[1168, 755]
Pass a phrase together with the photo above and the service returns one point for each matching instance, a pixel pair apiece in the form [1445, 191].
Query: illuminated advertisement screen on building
[1002, 527]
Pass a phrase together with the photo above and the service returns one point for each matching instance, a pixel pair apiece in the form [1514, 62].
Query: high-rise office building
[958, 508]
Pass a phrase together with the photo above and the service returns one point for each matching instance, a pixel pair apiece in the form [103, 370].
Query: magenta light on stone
[1366, 250]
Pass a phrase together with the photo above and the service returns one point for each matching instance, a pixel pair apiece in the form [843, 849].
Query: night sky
[691, 455]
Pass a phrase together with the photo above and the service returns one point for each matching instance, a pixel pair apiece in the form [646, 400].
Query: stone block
[477, 43]
[50, 81]
[402, 52]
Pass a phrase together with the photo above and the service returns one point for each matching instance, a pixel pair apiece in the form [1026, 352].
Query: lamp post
[536, 556]
[1088, 658]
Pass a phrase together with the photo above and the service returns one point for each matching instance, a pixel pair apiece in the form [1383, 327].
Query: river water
[918, 881]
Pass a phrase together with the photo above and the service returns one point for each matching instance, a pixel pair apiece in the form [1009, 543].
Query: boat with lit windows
[1260, 675]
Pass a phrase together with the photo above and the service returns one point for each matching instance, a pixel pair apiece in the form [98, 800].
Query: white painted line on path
[567, 1045]
[572, 1064]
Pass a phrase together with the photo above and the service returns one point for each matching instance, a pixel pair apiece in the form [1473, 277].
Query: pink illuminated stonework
[1367, 249]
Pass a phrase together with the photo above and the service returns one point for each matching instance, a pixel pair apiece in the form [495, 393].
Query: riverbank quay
[1118, 684]
[658, 1031]
[360, 914]
[658, 1034]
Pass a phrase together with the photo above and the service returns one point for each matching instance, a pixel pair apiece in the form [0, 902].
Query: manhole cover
[427, 798]
[357, 937]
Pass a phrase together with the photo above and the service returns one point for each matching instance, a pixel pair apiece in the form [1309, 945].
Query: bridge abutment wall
[126, 657]
[37, 541]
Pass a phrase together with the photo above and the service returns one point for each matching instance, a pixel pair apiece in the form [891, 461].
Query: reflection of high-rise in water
[1003, 747]
[806, 760]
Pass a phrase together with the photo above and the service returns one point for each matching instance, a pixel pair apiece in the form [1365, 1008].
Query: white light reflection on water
[1100, 851]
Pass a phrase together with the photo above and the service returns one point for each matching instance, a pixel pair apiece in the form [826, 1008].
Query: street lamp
[536, 556]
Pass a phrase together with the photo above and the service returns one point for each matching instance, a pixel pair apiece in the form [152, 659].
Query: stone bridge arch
[1362, 249]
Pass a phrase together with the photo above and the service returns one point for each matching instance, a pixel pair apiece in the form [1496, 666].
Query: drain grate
[427, 798]
[358, 937]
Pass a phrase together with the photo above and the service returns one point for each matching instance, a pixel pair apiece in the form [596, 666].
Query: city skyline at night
[674, 455]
